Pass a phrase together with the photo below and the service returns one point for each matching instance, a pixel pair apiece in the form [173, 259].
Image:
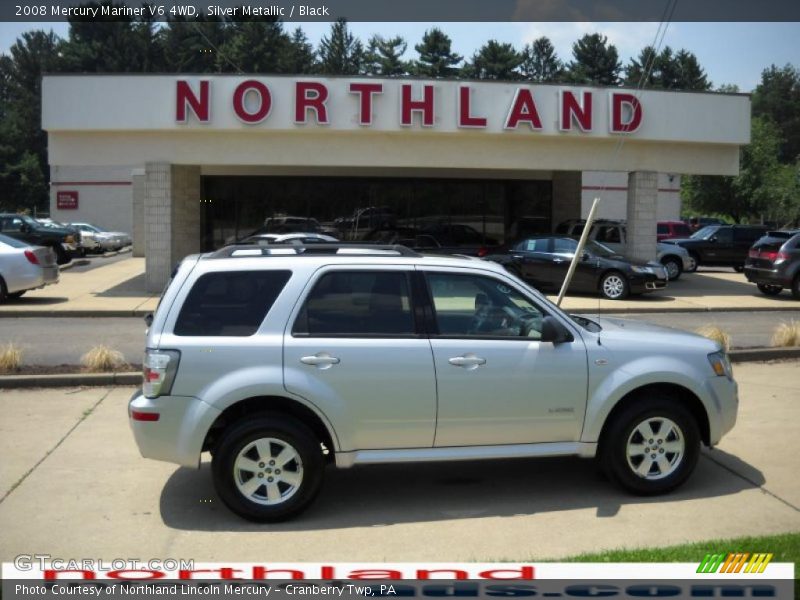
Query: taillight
[753, 253]
[31, 257]
[158, 370]
[483, 251]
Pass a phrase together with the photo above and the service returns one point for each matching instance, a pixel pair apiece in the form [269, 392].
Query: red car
[667, 230]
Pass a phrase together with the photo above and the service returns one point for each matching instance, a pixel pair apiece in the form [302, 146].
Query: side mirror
[586, 256]
[553, 331]
[148, 319]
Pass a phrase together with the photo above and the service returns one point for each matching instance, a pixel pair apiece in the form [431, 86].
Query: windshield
[598, 249]
[704, 233]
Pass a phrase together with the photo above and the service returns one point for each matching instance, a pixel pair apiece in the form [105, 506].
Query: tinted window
[608, 234]
[724, 235]
[662, 228]
[681, 230]
[564, 246]
[747, 234]
[470, 305]
[535, 245]
[357, 303]
[232, 303]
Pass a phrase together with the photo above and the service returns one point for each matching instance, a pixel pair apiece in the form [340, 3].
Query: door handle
[321, 360]
[468, 361]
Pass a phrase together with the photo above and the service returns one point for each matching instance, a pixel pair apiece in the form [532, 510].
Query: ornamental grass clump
[717, 334]
[103, 359]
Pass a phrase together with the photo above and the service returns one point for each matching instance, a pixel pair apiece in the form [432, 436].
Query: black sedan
[543, 262]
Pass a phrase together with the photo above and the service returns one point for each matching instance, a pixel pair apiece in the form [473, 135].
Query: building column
[641, 229]
[137, 232]
[171, 219]
[567, 189]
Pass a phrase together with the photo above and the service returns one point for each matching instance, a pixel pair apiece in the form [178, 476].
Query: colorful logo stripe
[735, 562]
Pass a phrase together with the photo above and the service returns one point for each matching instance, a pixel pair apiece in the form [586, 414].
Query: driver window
[475, 306]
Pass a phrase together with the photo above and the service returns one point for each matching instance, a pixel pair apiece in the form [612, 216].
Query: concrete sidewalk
[88, 493]
[117, 290]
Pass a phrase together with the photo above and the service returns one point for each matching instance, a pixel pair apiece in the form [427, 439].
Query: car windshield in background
[705, 232]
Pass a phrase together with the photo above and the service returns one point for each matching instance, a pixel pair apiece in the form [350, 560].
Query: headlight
[721, 365]
[636, 269]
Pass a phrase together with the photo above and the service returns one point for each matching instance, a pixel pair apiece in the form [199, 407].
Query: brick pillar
[171, 219]
[566, 196]
[138, 213]
[641, 230]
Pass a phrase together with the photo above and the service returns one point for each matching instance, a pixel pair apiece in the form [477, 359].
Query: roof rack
[332, 249]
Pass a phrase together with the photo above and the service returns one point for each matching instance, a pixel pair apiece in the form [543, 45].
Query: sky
[730, 53]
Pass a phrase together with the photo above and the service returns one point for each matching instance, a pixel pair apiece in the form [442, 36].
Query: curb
[70, 380]
[135, 377]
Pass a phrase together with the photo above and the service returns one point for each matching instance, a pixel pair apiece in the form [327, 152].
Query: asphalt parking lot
[73, 485]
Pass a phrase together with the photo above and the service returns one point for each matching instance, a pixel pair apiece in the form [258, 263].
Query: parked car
[24, 267]
[288, 224]
[82, 248]
[96, 241]
[367, 218]
[119, 239]
[773, 263]
[289, 238]
[666, 230]
[543, 262]
[720, 245]
[411, 237]
[614, 235]
[469, 363]
[64, 242]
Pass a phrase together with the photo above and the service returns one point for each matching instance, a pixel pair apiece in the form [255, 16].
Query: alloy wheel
[613, 286]
[268, 471]
[655, 448]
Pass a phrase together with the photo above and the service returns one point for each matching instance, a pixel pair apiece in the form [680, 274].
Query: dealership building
[188, 162]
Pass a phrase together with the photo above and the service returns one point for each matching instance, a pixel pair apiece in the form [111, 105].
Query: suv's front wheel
[267, 468]
[651, 447]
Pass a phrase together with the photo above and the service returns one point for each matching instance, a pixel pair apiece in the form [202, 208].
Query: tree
[24, 171]
[300, 56]
[690, 75]
[639, 72]
[728, 88]
[436, 59]
[777, 97]
[596, 61]
[666, 70]
[540, 63]
[191, 45]
[749, 195]
[340, 52]
[385, 56]
[254, 46]
[494, 61]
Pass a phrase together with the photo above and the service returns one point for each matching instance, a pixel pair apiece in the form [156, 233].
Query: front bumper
[640, 284]
[178, 433]
[724, 394]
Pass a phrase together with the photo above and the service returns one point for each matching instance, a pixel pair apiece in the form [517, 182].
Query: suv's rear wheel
[769, 290]
[651, 447]
[267, 468]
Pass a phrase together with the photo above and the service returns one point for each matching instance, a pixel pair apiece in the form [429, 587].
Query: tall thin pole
[578, 252]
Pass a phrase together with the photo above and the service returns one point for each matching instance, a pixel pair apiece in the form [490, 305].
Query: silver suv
[281, 360]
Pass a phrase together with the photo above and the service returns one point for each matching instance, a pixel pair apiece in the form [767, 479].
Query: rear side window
[229, 303]
[747, 235]
[357, 303]
[662, 228]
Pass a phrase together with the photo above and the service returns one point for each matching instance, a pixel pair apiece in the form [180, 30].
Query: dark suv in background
[721, 245]
[774, 263]
[28, 229]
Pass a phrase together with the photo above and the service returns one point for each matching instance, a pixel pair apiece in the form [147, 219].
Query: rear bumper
[767, 276]
[178, 431]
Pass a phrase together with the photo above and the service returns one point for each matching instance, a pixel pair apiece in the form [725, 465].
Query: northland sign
[252, 101]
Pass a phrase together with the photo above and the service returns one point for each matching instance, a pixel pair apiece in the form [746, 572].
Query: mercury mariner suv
[281, 360]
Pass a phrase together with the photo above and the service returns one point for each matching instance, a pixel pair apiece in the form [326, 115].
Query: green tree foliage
[595, 61]
[384, 57]
[300, 55]
[340, 52]
[540, 62]
[494, 60]
[24, 172]
[436, 58]
[777, 97]
[191, 45]
[254, 46]
[751, 194]
[666, 70]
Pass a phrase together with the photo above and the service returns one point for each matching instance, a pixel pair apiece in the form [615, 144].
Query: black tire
[283, 430]
[605, 286]
[796, 287]
[692, 268]
[15, 295]
[652, 409]
[3, 291]
[738, 268]
[62, 257]
[674, 267]
[769, 290]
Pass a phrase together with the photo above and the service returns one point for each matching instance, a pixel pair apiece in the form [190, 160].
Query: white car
[24, 267]
[108, 240]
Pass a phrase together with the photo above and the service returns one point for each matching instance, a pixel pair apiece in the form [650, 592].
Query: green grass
[785, 547]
